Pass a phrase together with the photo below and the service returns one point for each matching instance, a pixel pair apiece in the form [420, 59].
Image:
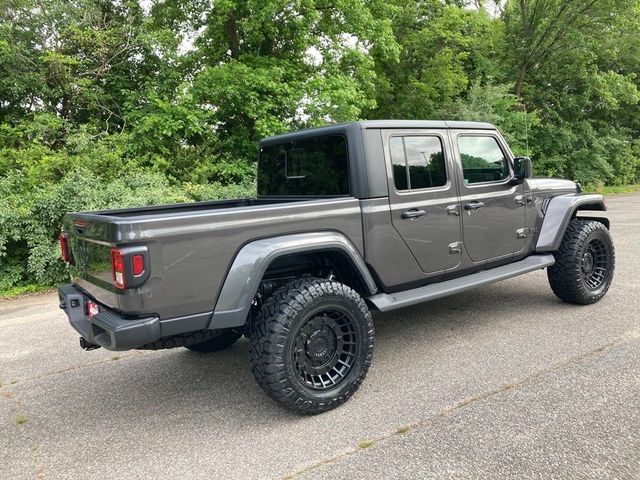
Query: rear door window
[418, 162]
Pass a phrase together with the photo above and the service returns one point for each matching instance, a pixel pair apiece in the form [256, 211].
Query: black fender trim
[254, 258]
[560, 211]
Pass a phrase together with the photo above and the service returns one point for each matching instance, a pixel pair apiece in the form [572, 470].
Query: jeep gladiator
[371, 215]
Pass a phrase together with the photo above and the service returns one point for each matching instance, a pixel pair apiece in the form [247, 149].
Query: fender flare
[253, 259]
[560, 211]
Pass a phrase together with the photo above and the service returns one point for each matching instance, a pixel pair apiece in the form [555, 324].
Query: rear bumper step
[385, 302]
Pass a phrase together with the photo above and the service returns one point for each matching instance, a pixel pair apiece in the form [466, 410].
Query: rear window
[316, 166]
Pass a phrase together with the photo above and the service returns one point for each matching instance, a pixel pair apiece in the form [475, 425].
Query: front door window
[482, 160]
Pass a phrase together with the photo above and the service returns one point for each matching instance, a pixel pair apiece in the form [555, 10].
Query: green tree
[569, 66]
[270, 66]
[444, 48]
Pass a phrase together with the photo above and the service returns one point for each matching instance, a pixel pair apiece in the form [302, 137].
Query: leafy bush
[30, 220]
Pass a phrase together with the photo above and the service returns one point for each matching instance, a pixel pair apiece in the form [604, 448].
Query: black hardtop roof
[338, 128]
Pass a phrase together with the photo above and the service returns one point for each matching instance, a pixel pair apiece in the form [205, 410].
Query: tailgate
[90, 247]
[90, 244]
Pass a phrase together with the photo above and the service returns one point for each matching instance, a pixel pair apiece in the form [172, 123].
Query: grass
[365, 444]
[613, 189]
[21, 419]
[19, 290]
[403, 429]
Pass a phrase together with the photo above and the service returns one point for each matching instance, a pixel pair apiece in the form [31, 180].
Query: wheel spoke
[325, 349]
[595, 264]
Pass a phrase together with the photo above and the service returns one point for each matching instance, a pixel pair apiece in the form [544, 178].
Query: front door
[493, 208]
[422, 193]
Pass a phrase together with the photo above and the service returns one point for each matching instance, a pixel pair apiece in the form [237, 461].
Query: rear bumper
[107, 328]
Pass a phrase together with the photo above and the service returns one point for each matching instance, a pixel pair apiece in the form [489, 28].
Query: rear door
[423, 197]
[493, 209]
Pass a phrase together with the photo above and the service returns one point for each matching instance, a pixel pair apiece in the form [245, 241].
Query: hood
[554, 185]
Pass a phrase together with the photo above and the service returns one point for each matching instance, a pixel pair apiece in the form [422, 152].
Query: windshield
[316, 166]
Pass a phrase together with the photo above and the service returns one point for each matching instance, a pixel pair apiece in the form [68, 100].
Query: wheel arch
[255, 258]
[560, 211]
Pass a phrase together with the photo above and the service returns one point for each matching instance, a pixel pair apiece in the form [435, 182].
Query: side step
[385, 302]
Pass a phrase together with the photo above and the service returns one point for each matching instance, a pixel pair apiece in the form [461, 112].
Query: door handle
[475, 205]
[413, 213]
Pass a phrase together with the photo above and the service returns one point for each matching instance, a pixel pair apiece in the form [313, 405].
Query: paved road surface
[501, 382]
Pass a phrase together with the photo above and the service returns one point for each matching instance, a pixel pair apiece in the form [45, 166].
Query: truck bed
[191, 246]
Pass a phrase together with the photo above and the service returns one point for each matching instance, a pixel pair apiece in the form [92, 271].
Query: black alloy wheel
[325, 349]
[585, 263]
[596, 263]
[312, 344]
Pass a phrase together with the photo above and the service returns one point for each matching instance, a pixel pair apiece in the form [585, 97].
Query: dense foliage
[107, 103]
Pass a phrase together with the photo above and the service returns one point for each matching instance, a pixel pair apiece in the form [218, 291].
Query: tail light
[64, 247]
[129, 266]
[117, 266]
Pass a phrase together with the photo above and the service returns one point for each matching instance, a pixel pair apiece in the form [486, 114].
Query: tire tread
[565, 275]
[269, 334]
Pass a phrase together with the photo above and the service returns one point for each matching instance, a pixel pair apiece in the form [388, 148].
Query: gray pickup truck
[372, 215]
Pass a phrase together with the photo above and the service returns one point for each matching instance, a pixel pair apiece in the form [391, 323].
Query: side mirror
[523, 168]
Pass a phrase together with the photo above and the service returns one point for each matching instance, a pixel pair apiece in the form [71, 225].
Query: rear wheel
[584, 264]
[312, 344]
[220, 342]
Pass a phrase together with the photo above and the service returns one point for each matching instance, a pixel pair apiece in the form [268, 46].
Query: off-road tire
[283, 335]
[222, 341]
[568, 278]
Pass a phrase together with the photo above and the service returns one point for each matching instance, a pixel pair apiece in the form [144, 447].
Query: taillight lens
[138, 265]
[64, 247]
[117, 266]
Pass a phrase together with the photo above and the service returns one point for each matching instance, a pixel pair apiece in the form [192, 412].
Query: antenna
[526, 128]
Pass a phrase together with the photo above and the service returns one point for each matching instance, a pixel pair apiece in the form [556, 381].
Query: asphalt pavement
[504, 381]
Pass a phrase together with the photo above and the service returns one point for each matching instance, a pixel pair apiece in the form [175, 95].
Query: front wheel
[584, 264]
[312, 344]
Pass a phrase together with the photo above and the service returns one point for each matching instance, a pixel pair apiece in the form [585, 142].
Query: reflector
[138, 265]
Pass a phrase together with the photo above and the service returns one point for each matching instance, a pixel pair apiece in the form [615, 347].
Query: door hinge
[524, 199]
[523, 232]
[455, 247]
